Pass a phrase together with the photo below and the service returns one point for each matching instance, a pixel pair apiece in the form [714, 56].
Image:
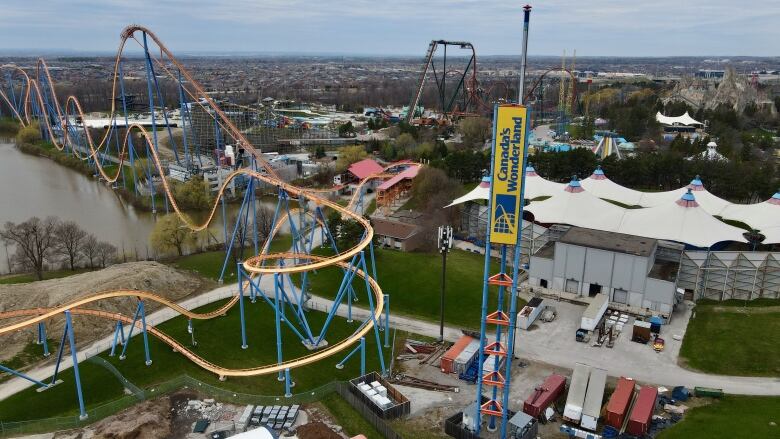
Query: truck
[594, 312]
[594, 396]
[576, 398]
[528, 315]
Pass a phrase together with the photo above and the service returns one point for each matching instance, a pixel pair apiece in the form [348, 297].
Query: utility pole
[444, 244]
[524, 59]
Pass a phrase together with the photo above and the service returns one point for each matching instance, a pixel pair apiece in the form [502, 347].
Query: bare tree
[265, 220]
[90, 249]
[69, 238]
[34, 240]
[106, 253]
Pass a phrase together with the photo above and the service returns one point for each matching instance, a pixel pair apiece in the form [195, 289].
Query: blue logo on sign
[504, 213]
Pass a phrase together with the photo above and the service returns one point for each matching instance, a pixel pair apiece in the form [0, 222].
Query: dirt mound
[148, 276]
[148, 420]
[316, 430]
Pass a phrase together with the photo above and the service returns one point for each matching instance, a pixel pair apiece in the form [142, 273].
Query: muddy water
[36, 186]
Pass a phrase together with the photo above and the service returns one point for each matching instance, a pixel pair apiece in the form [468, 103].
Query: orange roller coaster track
[56, 123]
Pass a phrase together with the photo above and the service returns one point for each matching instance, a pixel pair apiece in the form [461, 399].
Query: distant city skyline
[714, 28]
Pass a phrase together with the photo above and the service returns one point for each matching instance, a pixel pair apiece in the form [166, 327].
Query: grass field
[30, 277]
[413, 281]
[729, 418]
[725, 338]
[219, 341]
[209, 264]
[349, 419]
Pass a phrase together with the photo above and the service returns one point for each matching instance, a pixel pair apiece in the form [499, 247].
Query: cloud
[597, 27]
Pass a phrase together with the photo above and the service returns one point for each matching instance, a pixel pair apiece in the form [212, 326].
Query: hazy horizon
[603, 28]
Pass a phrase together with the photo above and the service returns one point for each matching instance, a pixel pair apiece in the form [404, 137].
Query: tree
[405, 143]
[170, 233]
[193, 194]
[475, 130]
[34, 240]
[69, 238]
[90, 249]
[349, 155]
[347, 130]
[29, 134]
[319, 152]
[346, 232]
[106, 253]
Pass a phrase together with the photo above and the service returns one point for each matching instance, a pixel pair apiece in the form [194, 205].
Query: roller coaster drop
[35, 99]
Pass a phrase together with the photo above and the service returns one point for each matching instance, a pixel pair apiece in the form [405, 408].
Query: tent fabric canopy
[577, 207]
[761, 216]
[683, 221]
[685, 120]
[599, 185]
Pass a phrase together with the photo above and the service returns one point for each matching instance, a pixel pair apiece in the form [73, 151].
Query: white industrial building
[633, 271]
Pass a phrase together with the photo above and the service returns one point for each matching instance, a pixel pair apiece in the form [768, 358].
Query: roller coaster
[32, 98]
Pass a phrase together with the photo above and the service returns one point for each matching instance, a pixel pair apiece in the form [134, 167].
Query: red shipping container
[544, 395]
[448, 359]
[642, 413]
[617, 407]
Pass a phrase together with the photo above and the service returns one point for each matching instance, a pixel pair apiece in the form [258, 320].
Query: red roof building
[364, 168]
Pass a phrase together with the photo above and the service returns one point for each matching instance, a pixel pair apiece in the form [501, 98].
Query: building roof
[393, 229]
[684, 120]
[365, 168]
[610, 241]
[407, 174]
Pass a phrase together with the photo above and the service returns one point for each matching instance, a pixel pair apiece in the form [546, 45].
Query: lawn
[30, 277]
[219, 341]
[413, 281]
[730, 417]
[209, 264]
[349, 419]
[99, 386]
[725, 338]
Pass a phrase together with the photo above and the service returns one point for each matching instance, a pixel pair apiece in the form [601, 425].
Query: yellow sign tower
[508, 173]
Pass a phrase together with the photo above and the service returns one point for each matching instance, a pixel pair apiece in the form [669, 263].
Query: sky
[401, 27]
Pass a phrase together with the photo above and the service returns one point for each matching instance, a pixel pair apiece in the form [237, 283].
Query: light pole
[444, 244]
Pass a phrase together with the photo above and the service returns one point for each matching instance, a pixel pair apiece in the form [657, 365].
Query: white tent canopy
[759, 216]
[481, 192]
[713, 204]
[771, 235]
[685, 120]
[537, 186]
[599, 185]
[575, 206]
[682, 221]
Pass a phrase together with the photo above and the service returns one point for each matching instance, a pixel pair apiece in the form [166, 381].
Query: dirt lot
[148, 276]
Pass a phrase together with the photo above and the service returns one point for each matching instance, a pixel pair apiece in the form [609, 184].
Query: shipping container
[594, 312]
[577, 389]
[544, 395]
[448, 359]
[530, 312]
[642, 412]
[594, 397]
[619, 402]
[466, 357]
[707, 391]
[490, 363]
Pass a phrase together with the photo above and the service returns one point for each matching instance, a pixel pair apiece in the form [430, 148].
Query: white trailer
[594, 398]
[594, 312]
[528, 315]
[577, 389]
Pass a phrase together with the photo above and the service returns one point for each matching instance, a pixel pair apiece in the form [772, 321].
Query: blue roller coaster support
[119, 337]
[373, 315]
[277, 321]
[387, 320]
[42, 338]
[139, 313]
[241, 306]
[287, 383]
[74, 357]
